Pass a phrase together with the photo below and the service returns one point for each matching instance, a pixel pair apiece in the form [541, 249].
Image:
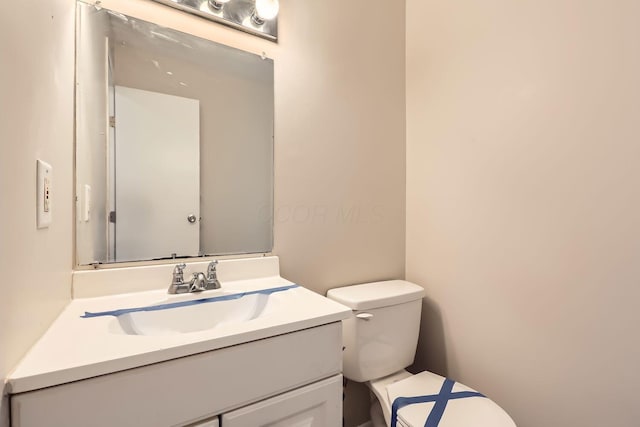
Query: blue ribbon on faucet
[179, 304]
[441, 399]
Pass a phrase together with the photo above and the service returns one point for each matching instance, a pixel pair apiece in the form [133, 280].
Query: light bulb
[266, 9]
[217, 4]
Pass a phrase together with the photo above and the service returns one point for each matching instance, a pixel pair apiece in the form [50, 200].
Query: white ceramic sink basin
[195, 317]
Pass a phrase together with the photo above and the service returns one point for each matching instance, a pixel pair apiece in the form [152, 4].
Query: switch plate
[44, 179]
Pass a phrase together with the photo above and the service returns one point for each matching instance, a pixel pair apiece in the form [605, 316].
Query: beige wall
[36, 92]
[340, 149]
[523, 205]
[340, 143]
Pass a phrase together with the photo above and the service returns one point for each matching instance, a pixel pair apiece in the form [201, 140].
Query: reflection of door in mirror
[157, 175]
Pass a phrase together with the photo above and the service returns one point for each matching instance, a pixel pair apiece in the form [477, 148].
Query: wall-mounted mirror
[174, 143]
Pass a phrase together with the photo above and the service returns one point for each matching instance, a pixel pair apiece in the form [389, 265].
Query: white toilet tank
[381, 336]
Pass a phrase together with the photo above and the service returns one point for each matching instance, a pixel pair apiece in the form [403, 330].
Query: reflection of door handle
[191, 218]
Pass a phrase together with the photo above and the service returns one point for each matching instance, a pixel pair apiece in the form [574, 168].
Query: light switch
[86, 214]
[47, 188]
[43, 194]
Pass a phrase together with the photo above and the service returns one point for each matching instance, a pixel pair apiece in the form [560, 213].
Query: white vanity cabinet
[290, 379]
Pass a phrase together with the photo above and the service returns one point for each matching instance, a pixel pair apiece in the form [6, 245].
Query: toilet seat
[464, 412]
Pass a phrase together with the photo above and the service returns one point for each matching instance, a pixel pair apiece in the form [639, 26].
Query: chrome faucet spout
[198, 283]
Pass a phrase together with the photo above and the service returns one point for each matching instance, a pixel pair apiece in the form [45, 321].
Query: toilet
[380, 340]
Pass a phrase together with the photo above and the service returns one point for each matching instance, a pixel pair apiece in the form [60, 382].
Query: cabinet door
[316, 405]
[209, 423]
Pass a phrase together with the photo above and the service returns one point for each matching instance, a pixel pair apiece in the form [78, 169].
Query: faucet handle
[211, 270]
[212, 275]
[178, 273]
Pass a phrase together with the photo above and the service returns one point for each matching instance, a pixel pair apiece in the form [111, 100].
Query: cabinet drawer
[316, 405]
[186, 390]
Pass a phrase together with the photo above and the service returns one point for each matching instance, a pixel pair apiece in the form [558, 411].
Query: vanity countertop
[76, 348]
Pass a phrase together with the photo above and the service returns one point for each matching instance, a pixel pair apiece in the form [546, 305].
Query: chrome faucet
[198, 283]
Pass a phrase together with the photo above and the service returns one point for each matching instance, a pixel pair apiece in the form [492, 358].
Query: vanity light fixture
[265, 10]
[217, 4]
[258, 17]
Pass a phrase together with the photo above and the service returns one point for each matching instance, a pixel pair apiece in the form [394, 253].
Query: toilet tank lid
[376, 294]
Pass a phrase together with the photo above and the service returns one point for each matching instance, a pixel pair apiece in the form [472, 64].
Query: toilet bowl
[380, 340]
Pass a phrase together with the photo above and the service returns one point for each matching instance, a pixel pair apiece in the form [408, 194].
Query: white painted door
[316, 405]
[157, 175]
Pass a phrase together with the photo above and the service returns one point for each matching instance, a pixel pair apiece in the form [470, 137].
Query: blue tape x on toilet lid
[473, 411]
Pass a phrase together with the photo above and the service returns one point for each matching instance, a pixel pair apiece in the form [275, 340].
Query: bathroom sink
[138, 323]
[195, 315]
